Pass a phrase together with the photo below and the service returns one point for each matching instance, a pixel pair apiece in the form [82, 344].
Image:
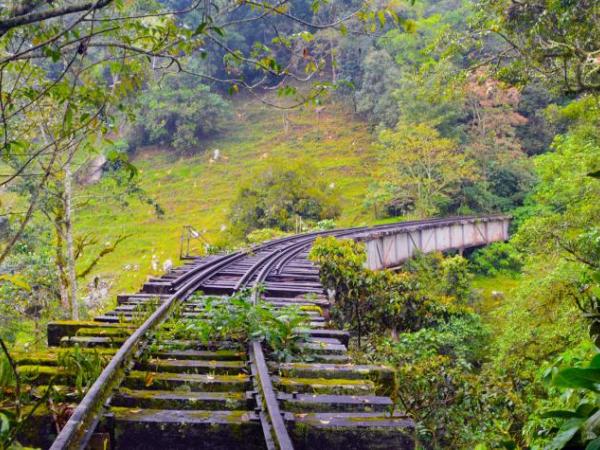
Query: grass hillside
[197, 191]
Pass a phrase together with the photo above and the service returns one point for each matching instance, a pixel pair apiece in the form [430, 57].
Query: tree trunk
[70, 246]
[63, 282]
[359, 323]
[332, 56]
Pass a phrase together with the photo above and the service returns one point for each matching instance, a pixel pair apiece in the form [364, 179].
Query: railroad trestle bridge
[224, 395]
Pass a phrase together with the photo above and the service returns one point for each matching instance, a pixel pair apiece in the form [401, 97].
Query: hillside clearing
[196, 190]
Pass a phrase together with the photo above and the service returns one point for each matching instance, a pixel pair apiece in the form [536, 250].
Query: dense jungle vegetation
[121, 121]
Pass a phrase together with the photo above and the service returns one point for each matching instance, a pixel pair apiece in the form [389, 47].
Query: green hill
[197, 191]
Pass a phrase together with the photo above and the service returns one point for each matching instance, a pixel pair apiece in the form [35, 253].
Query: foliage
[423, 170]
[281, 196]
[264, 234]
[18, 401]
[341, 266]
[238, 319]
[557, 41]
[498, 156]
[373, 99]
[8, 416]
[542, 318]
[408, 74]
[456, 279]
[439, 381]
[179, 113]
[382, 302]
[497, 258]
[325, 225]
[37, 299]
[579, 427]
[85, 364]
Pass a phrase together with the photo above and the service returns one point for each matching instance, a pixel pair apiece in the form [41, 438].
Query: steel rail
[274, 429]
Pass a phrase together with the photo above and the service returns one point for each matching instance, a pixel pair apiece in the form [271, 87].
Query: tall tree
[423, 171]
[558, 41]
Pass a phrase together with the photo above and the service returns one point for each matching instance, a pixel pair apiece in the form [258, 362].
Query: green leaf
[591, 426]
[16, 280]
[200, 29]
[219, 31]
[4, 424]
[593, 445]
[381, 17]
[587, 378]
[595, 363]
[566, 433]
[586, 410]
[559, 414]
[68, 120]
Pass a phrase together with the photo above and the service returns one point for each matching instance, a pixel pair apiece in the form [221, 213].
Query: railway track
[224, 395]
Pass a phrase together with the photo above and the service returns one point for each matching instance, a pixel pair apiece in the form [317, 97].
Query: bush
[264, 234]
[325, 225]
[456, 278]
[29, 292]
[441, 384]
[368, 302]
[497, 258]
[280, 196]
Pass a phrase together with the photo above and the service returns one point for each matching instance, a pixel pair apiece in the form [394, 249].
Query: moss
[312, 308]
[326, 386]
[208, 383]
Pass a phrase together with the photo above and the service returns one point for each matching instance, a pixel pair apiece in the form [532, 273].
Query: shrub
[456, 278]
[280, 196]
[497, 258]
[367, 301]
[440, 382]
[264, 234]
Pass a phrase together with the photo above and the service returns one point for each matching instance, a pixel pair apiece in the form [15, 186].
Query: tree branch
[32, 17]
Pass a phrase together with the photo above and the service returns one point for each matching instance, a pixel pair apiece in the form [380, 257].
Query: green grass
[502, 283]
[193, 190]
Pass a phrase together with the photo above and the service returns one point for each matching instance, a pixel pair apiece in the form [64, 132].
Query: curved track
[295, 403]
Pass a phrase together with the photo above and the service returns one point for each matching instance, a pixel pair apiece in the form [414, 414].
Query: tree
[558, 42]
[422, 169]
[177, 112]
[494, 147]
[374, 99]
[277, 197]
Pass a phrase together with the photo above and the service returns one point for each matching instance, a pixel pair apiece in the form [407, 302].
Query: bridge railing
[389, 246]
